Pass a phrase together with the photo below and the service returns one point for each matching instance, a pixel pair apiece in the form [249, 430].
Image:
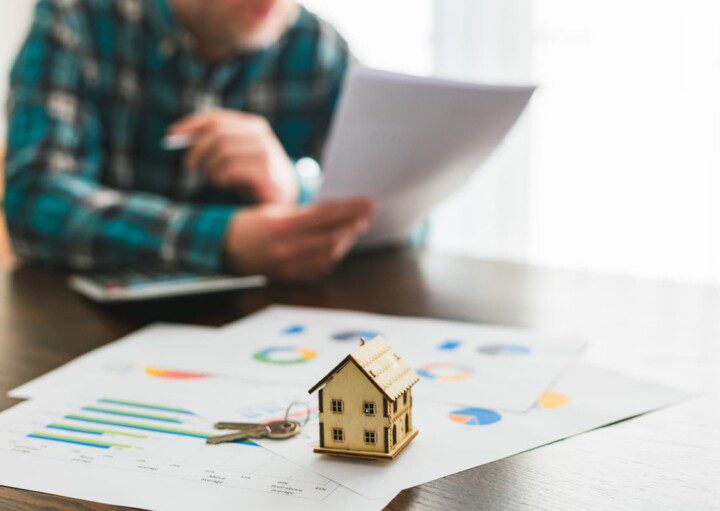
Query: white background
[616, 166]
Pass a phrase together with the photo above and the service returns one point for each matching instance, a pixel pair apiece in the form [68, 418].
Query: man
[251, 83]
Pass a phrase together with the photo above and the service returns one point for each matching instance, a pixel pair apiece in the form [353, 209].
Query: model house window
[395, 406]
[370, 437]
[338, 435]
[369, 408]
[337, 406]
[405, 397]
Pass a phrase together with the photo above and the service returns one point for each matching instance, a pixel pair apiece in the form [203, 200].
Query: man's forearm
[64, 219]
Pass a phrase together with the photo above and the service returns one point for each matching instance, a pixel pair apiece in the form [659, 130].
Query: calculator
[136, 285]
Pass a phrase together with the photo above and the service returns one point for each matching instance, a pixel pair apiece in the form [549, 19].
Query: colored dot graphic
[444, 371]
[504, 349]
[293, 330]
[284, 355]
[475, 416]
[552, 399]
[451, 345]
[355, 335]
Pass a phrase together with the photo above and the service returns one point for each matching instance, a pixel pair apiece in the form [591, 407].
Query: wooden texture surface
[656, 330]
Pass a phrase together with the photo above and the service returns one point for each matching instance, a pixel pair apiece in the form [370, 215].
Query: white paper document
[152, 456]
[409, 142]
[156, 359]
[506, 368]
[453, 438]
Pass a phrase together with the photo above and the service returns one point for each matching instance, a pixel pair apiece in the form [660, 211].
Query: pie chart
[444, 371]
[475, 416]
[173, 374]
[504, 349]
[355, 335]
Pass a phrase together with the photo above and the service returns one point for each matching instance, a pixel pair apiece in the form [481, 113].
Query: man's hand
[239, 151]
[295, 244]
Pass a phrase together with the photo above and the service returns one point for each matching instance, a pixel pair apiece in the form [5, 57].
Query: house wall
[397, 418]
[353, 387]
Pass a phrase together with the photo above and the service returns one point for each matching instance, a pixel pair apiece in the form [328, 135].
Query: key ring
[307, 417]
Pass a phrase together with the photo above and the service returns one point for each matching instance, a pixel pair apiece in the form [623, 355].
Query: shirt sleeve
[57, 210]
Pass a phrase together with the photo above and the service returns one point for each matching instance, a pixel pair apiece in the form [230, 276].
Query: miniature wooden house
[365, 404]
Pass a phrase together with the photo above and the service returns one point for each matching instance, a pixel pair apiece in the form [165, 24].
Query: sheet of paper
[152, 456]
[506, 368]
[409, 142]
[502, 367]
[156, 357]
[453, 438]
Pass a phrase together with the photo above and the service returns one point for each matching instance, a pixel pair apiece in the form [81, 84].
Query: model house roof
[382, 366]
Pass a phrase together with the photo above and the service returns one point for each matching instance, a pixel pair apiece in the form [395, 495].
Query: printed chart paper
[453, 438]
[152, 456]
[457, 362]
[153, 359]
[505, 368]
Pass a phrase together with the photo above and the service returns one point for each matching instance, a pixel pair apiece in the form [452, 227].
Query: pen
[176, 142]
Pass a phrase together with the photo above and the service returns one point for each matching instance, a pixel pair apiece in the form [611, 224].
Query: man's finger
[193, 122]
[198, 151]
[243, 150]
[327, 215]
[244, 176]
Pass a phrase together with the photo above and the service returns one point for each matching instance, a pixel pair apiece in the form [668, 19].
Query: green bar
[123, 413]
[83, 440]
[149, 406]
[93, 430]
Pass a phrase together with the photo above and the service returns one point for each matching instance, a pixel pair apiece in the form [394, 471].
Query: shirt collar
[172, 34]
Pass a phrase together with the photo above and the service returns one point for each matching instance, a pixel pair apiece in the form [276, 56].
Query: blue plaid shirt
[94, 89]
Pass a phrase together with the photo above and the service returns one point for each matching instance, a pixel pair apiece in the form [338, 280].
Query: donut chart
[444, 371]
[284, 355]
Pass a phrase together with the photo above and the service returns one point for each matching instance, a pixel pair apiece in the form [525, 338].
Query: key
[282, 429]
[240, 426]
[257, 432]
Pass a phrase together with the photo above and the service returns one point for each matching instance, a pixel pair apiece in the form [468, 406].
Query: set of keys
[274, 430]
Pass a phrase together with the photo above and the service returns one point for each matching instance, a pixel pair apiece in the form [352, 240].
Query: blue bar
[76, 430]
[157, 408]
[69, 441]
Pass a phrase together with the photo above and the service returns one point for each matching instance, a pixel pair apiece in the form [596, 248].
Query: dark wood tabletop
[662, 331]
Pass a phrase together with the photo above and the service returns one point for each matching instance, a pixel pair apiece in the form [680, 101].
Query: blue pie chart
[475, 416]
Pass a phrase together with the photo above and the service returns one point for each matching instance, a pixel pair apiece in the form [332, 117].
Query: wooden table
[657, 330]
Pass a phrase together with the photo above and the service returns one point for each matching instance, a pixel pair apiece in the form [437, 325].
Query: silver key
[282, 429]
[257, 432]
[239, 426]
[274, 430]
